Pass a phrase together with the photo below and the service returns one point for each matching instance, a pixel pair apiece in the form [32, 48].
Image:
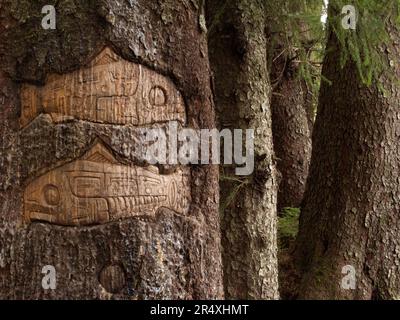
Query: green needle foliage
[364, 45]
[288, 226]
[298, 23]
[295, 27]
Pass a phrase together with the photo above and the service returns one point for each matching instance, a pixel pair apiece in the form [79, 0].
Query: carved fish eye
[158, 96]
[51, 195]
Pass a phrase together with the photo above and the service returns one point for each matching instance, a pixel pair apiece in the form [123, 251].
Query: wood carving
[109, 90]
[112, 278]
[97, 189]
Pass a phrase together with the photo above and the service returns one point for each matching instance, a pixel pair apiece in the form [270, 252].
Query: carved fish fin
[100, 153]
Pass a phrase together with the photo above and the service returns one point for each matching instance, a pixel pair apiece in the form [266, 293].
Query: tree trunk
[350, 222]
[291, 127]
[75, 192]
[237, 42]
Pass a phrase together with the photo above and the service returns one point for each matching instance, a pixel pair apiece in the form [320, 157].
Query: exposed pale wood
[108, 90]
[97, 189]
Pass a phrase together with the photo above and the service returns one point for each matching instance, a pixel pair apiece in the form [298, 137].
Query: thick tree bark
[237, 42]
[168, 255]
[351, 208]
[291, 127]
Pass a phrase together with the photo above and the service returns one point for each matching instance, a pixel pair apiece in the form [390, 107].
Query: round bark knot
[112, 278]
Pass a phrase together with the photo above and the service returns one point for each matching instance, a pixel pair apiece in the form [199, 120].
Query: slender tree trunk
[237, 42]
[291, 127]
[350, 219]
[124, 230]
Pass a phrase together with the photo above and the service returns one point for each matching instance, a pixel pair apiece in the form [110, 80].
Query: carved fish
[97, 189]
[109, 90]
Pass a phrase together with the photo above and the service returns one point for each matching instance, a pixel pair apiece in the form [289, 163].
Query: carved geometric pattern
[109, 90]
[97, 189]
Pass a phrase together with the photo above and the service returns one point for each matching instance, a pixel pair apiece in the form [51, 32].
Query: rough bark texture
[237, 45]
[168, 256]
[291, 128]
[351, 208]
